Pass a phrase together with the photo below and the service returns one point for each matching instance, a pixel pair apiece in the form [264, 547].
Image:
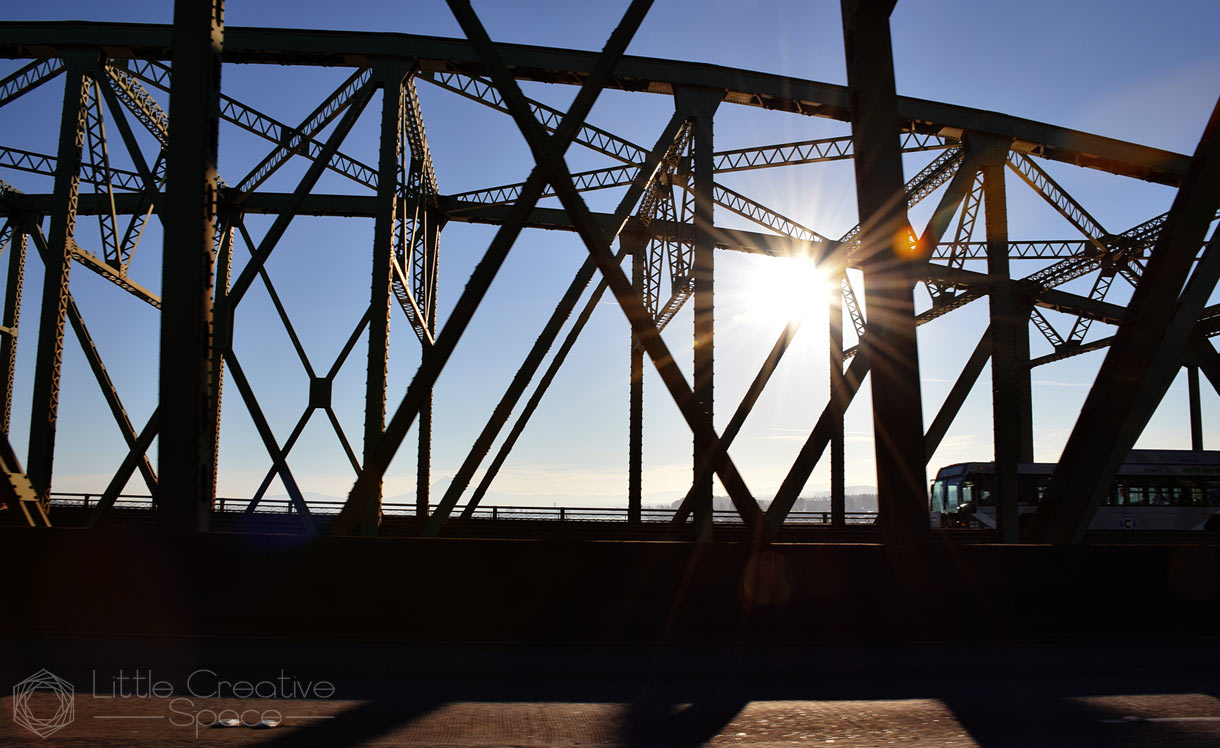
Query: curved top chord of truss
[748, 88]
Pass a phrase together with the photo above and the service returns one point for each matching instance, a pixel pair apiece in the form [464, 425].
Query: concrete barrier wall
[460, 590]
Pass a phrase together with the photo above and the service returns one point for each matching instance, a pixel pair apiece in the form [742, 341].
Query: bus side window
[1212, 493]
[1159, 496]
[938, 496]
[1135, 495]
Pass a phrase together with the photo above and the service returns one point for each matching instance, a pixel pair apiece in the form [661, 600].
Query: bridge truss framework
[117, 79]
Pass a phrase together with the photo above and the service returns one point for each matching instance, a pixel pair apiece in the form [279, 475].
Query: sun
[788, 289]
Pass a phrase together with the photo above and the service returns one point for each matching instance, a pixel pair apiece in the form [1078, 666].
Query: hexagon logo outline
[65, 712]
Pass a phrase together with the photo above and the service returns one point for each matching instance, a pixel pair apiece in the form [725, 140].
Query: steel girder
[186, 458]
[119, 81]
[57, 265]
[888, 263]
[748, 88]
[14, 242]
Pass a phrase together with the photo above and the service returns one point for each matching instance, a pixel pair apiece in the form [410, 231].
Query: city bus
[1155, 489]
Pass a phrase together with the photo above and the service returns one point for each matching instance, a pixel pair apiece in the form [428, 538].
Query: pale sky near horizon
[1147, 73]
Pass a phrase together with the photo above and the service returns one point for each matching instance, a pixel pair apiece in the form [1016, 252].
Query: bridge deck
[1109, 692]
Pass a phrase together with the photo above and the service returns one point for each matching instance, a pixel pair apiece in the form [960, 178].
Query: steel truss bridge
[154, 94]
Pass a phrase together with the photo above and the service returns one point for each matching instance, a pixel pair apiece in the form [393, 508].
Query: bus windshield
[950, 494]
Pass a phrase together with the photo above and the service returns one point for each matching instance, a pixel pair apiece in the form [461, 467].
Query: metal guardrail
[275, 506]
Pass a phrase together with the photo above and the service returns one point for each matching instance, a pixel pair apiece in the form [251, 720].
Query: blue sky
[1134, 71]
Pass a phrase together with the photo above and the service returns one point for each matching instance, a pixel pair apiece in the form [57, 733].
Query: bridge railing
[282, 506]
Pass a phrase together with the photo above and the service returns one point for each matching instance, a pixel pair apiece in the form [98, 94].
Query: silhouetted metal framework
[118, 78]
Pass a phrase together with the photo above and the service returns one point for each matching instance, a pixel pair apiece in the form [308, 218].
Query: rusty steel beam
[389, 80]
[1010, 390]
[185, 450]
[888, 265]
[747, 88]
[1195, 405]
[700, 106]
[57, 263]
[12, 319]
[838, 442]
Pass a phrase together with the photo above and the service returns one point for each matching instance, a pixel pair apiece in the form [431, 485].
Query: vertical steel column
[185, 448]
[423, 463]
[1010, 389]
[12, 320]
[222, 335]
[838, 405]
[888, 273]
[700, 106]
[49, 357]
[1196, 410]
[389, 78]
[636, 246]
